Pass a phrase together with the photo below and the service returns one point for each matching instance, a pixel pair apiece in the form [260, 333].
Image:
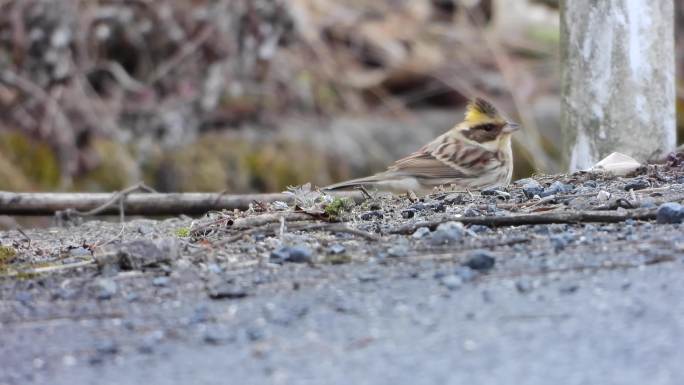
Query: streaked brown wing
[446, 158]
[425, 165]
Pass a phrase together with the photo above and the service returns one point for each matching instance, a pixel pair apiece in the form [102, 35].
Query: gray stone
[225, 290]
[397, 251]
[105, 288]
[336, 248]
[160, 281]
[637, 184]
[480, 260]
[557, 187]
[670, 212]
[448, 233]
[452, 282]
[420, 232]
[532, 188]
[465, 273]
[294, 254]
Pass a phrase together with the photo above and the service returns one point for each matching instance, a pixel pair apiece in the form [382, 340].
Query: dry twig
[534, 219]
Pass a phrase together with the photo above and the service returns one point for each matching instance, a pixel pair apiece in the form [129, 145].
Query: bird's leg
[364, 191]
[470, 193]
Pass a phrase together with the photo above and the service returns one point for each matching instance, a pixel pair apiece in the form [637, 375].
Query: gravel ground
[259, 303]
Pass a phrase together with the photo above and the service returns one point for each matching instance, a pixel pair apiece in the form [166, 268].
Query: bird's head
[483, 124]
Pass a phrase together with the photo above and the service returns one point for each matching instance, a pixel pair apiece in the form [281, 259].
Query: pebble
[480, 260]
[161, 281]
[107, 347]
[294, 254]
[24, 297]
[670, 212]
[147, 346]
[477, 229]
[568, 289]
[446, 233]
[524, 286]
[420, 232]
[132, 297]
[557, 187]
[408, 213]
[213, 336]
[438, 207]
[471, 212]
[64, 293]
[637, 184]
[256, 333]
[105, 288]
[224, 290]
[465, 273]
[370, 215]
[532, 188]
[542, 229]
[648, 203]
[496, 193]
[145, 230]
[455, 199]
[561, 241]
[336, 248]
[79, 252]
[451, 282]
[418, 207]
[368, 277]
[139, 254]
[397, 251]
[199, 315]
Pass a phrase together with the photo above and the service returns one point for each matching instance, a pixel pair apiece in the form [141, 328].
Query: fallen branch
[534, 219]
[134, 204]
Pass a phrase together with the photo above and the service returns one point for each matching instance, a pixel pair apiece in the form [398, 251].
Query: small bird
[474, 155]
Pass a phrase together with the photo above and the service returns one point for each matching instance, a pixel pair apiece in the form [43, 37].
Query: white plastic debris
[603, 196]
[617, 164]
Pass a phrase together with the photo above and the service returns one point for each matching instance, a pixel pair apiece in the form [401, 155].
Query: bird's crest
[480, 111]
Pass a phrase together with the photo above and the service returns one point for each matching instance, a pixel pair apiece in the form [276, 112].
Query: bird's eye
[488, 127]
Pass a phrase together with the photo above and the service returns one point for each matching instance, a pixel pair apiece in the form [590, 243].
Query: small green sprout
[338, 206]
[183, 232]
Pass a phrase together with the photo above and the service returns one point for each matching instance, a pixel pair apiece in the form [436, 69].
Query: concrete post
[618, 79]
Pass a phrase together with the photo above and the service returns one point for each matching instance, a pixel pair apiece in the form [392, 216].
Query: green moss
[338, 206]
[183, 232]
[213, 163]
[337, 259]
[235, 164]
[7, 254]
[116, 168]
[274, 166]
[36, 160]
[11, 177]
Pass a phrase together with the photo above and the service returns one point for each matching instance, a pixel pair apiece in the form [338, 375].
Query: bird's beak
[511, 127]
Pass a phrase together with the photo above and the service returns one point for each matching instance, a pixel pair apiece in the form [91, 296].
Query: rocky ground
[568, 279]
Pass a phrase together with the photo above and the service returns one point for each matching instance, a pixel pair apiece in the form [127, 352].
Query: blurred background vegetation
[255, 95]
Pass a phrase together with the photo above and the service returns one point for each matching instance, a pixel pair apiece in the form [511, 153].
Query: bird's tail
[349, 184]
